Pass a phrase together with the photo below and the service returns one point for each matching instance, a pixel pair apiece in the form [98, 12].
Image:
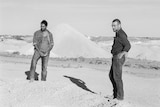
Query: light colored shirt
[43, 40]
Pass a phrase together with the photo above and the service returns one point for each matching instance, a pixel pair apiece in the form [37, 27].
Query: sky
[90, 17]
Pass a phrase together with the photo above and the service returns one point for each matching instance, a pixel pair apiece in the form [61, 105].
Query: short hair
[117, 20]
[44, 22]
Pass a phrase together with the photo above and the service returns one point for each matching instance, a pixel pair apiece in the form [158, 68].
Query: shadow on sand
[79, 83]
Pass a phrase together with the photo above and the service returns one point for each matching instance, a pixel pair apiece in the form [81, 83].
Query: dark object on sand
[79, 83]
[28, 75]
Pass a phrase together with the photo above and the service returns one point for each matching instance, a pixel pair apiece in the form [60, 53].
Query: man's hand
[120, 55]
[48, 51]
[43, 53]
[50, 48]
[36, 47]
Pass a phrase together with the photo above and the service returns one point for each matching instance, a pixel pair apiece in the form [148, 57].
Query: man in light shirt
[43, 43]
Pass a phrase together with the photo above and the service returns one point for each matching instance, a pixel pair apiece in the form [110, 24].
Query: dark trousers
[34, 61]
[115, 76]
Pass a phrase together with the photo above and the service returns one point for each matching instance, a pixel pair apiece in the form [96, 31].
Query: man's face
[43, 27]
[115, 26]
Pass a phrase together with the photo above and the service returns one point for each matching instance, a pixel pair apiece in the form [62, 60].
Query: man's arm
[35, 43]
[120, 55]
[126, 45]
[51, 42]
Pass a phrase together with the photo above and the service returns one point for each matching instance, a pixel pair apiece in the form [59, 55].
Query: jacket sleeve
[51, 39]
[126, 44]
[34, 39]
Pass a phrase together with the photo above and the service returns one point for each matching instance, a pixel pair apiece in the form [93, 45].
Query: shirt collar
[44, 31]
[118, 32]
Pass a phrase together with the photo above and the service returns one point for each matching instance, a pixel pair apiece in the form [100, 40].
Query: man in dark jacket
[120, 48]
[43, 43]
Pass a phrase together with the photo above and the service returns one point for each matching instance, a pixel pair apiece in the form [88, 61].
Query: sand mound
[51, 94]
[71, 43]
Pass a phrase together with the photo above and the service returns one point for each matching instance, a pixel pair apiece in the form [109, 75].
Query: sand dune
[73, 87]
[71, 43]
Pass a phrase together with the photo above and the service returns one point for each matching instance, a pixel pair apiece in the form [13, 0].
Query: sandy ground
[75, 86]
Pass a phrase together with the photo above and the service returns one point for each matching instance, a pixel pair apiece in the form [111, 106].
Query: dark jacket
[120, 43]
